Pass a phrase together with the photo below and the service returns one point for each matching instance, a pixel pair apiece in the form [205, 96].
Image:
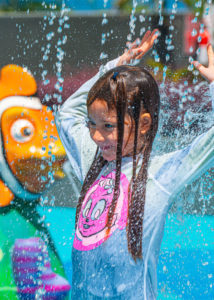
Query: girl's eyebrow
[104, 119]
[109, 120]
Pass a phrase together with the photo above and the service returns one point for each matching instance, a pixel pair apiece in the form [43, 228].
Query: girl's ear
[145, 122]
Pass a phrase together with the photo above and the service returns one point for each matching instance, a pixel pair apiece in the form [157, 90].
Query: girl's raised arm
[184, 166]
[71, 124]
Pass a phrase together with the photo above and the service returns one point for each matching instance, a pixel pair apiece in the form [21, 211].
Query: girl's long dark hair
[130, 90]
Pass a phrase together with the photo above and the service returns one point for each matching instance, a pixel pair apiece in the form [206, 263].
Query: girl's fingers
[139, 53]
[134, 44]
[200, 68]
[149, 37]
[197, 65]
[148, 43]
[207, 73]
[145, 37]
[139, 48]
[140, 56]
[210, 55]
[153, 37]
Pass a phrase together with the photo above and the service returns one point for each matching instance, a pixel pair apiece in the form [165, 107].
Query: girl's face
[102, 124]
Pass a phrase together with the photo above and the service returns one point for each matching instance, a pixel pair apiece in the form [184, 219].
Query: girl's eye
[90, 124]
[109, 126]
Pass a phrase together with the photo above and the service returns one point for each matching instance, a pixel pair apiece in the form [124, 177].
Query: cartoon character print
[91, 228]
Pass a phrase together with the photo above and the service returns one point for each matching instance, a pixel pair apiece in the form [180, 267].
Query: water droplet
[160, 21]
[194, 32]
[190, 67]
[43, 178]
[42, 166]
[104, 21]
[142, 19]
[170, 47]
[191, 49]
[157, 58]
[45, 57]
[46, 82]
[167, 57]
[64, 39]
[103, 38]
[103, 55]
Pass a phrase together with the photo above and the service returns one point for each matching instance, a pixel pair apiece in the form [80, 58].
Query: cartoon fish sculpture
[31, 158]
[31, 153]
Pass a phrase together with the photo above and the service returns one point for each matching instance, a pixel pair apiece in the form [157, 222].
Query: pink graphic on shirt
[91, 227]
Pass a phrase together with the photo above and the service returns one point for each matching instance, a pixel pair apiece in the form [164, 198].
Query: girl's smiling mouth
[105, 148]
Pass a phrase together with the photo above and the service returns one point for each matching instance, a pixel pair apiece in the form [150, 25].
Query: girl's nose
[97, 136]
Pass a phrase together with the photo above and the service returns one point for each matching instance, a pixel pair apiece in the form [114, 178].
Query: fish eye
[27, 131]
[22, 130]
[98, 209]
[87, 209]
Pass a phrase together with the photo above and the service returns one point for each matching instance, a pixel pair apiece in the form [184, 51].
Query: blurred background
[62, 44]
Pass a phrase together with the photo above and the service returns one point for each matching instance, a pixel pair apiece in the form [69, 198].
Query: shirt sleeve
[184, 166]
[71, 125]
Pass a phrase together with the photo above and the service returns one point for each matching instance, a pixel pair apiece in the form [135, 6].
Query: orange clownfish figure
[31, 154]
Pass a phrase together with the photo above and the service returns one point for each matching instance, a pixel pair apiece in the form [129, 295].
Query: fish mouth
[86, 226]
[36, 174]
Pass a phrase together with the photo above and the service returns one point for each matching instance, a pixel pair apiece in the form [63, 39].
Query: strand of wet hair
[136, 208]
[138, 193]
[133, 194]
[132, 184]
[96, 167]
[118, 90]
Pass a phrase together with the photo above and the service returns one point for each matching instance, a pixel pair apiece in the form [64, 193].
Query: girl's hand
[208, 72]
[138, 49]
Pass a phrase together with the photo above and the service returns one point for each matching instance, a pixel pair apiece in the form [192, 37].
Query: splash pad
[183, 119]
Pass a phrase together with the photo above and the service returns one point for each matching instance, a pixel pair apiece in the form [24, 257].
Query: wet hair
[128, 89]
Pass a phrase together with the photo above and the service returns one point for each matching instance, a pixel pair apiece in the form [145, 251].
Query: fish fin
[6, 196]
[16, 81]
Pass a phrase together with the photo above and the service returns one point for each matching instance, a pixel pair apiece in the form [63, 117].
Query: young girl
[108, 127]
